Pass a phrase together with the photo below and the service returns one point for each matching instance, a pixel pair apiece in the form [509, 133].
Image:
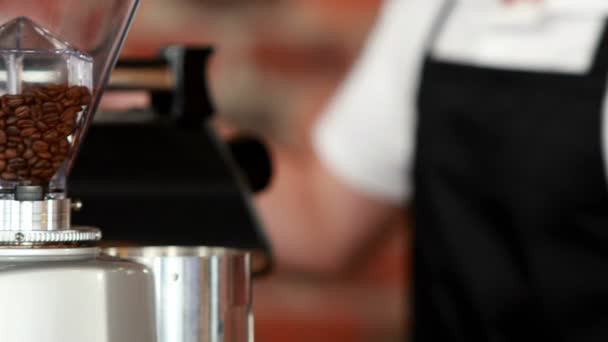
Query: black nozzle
[253, 159]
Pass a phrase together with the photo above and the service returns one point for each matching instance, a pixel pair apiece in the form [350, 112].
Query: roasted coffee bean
[49, 107]
[25, 123]
[85, 100]
[40, 146]
[12, 120]
[14, 100]
[33, 160]
[69, 115]
[34, 127]
[57, 87]
[41, 126]
[8, 176]
[22, 112]
[68, 102]
[65, 130]
[52, 122]
[12, 131]
[48, 173]
[50, 135]
[42, 164]
[36, 112]
[17, 164]
[51, 118]
[45, 155]
[84, 90]
[11, 153]
[59, 158]
[51, 92]
[73, 92]
[28, 154]
[27, 132]
[41, 95]
[59, 97]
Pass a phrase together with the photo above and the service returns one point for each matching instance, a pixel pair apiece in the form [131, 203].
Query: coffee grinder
[183, 208]
[55, 59]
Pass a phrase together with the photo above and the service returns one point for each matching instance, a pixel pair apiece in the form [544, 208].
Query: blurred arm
[323, 209]
[315, 222]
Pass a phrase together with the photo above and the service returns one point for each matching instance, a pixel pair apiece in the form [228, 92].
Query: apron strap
[599, 67]
[446, 9]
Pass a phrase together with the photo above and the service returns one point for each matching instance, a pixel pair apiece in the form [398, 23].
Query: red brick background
[276, 64]
[276, 61]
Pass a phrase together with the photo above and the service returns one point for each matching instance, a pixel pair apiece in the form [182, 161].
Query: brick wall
[276, 64]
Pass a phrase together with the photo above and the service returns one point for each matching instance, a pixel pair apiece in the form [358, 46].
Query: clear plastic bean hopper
[55, 59]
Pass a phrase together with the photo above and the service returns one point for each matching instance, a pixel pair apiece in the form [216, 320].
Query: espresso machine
[58, 281]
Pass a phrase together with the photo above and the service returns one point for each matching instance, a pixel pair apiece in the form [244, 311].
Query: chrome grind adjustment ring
[41, 238]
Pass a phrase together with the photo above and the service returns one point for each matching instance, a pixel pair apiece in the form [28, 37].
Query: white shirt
[366, 136]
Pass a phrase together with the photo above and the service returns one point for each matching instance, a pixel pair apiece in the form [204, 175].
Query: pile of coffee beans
[34, 131]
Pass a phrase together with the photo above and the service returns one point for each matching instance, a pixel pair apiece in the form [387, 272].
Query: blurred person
[486, 117]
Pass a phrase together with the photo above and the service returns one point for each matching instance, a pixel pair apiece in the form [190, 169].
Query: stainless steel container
[202, 294]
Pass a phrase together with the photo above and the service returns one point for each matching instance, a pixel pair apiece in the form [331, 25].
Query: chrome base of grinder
[51, 272]
[53, 294]
[29, 220]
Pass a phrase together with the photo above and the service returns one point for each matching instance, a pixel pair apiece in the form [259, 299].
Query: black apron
[511, 205]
